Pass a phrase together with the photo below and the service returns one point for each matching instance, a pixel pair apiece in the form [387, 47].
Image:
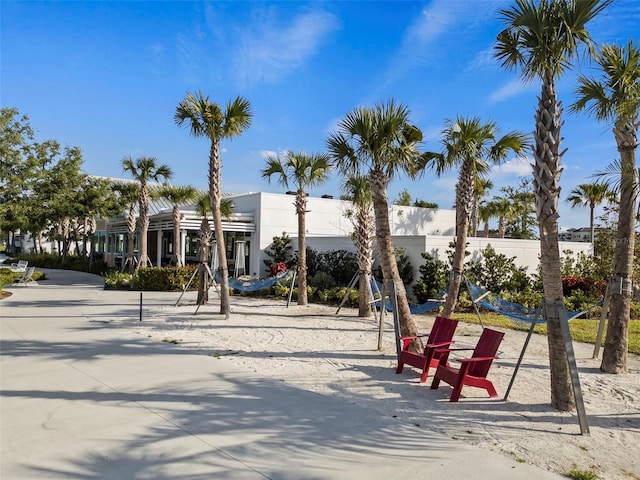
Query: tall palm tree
[482, 188]
[206, 119]
[473, 146]
[203, 208]
[381, 142]
[358, 192]
[143, 170]
[302, 171]
[178, 195]
[129, 194]
[615, 98]
[486, 212]
[541, 40]
[505, 211]
[589, 195]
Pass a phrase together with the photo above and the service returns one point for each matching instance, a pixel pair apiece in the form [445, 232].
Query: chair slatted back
[487, 346]
[443, 330]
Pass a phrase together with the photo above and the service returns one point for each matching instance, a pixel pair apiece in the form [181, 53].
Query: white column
[159, 249]
[183, 247]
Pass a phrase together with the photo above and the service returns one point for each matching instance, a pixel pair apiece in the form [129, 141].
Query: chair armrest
[411, 337]
[440, 344]
[447, 350]
[476, 359]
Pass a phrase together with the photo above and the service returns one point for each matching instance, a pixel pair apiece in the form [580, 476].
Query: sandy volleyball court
[314, 349]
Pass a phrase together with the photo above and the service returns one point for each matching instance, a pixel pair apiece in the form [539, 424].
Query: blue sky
[107, 77]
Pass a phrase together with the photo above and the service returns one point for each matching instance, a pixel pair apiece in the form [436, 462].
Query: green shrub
[7, 277]
[164, 278]
[497, 272]
[526, 298]
[152, 278]
[341, 265]
[322, 281]
[279, 252]
[71, 262]
[433, 279]
[114, 280]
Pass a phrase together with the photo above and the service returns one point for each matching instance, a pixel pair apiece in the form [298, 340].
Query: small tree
[432, 283]
[280, 252]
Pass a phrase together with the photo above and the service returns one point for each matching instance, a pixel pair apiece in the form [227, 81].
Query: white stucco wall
[526, 252]
[415, 229]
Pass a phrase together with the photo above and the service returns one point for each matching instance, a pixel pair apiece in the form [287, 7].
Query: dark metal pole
[140, 306]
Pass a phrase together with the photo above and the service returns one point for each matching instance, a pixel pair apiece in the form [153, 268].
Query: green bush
[322, 281]
[114, 280]
[164, 278]
[433, 279]
[7, 277]
[71, 262]
[152, 278]
[341, 265]
[281, 289]
[497, 272]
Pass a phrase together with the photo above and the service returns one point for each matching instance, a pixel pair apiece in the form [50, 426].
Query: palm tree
[482, 187]
[505, 211]
[143, 170]
[380, 142]
[589, 195]
[615, 98]
[541, 40]
[178, 195]
[207, 119]
[129, 194]
[302, 171]
[358, 192]
[473, 146]
[203, 208]
[486, 211]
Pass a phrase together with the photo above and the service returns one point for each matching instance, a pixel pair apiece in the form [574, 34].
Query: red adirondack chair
[473, 371]
[441, 335]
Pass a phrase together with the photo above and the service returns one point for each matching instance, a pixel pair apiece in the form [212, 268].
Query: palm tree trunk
[144, 225]
[205, 241]
[592, 228]
[546, 179]
[92, 240]
[614, 355]
[85, 228]
[364, 245]
[501, 227]
[301, 210]
[387, 256]
[464, 197]
[215, 194]
[131, 231]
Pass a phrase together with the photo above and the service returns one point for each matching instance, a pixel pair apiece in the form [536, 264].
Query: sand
[312, 348]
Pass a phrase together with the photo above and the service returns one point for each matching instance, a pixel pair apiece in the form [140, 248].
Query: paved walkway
[81, 399]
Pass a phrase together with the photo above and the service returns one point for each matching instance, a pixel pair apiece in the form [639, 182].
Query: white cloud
[272, 153]
[483, 59]
[510, 90]
[519, 166]
[442, 18]
[270, 50]
[190, 53]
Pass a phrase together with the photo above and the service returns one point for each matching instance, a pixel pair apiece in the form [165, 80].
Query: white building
[262, 216]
